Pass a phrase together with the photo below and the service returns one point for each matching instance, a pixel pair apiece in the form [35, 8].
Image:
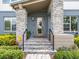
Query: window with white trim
[70, 23]
[10, 24]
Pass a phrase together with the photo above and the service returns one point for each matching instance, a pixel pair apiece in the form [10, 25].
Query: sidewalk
[38, 56]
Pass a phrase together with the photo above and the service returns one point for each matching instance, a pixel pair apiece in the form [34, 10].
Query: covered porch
[44, 19]
[36, 17]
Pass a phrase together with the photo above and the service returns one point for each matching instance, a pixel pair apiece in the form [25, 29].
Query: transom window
[8, 1]
[70, 23]
[10, 24]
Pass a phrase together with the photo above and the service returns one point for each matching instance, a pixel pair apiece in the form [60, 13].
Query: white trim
[70, 22]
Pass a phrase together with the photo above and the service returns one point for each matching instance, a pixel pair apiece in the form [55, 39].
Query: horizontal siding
[71, 12]
[2, 15]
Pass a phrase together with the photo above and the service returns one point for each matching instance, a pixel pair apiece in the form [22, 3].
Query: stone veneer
[21, 22]
[63, 40]
[60, 39]
[57, 16]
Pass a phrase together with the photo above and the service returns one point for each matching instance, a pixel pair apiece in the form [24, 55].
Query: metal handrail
[51, 33]
[23, 38]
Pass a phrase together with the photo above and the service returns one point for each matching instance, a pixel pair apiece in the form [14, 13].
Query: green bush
[59, 55]
[76, 40]
[9, 47]
[28, 34]
[11, 54]
[8, 39]
[67, 54]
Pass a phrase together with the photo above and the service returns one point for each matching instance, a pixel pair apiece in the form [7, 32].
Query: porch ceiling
[32, 5]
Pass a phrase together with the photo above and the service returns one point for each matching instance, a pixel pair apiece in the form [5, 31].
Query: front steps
[38, 45]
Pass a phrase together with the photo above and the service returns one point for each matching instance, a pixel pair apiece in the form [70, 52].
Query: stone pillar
[60, 38]
[57, 16]
[21, 15]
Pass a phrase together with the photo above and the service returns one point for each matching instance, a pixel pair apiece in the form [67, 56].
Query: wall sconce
[33, 19]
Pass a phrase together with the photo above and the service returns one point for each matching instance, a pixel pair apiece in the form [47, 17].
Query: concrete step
[38, 47]
[37, 43]
[37, 40]
[39, 51]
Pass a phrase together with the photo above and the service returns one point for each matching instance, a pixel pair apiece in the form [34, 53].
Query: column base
[63, 40]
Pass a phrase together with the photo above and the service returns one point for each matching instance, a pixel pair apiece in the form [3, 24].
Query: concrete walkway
[38, 56]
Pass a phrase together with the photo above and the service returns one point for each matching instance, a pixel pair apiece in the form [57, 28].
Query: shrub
[76, 40]
[28, 34]
[9, 47]
[11, 54]
[12, 42]
[7, 39]
[10, 39]
[67, 54]
[59, 55]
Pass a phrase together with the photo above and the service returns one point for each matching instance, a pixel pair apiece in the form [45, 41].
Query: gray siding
[31, 24]
[71, 12]
[2, 15]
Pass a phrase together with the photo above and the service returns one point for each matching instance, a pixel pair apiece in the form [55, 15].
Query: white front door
[39, 26]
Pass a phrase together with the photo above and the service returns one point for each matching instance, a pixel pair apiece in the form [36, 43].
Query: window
[6, 1]
[13, 0]
[10, 24]
[70, 23]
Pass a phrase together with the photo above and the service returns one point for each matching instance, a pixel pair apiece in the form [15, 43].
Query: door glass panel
[39, 25]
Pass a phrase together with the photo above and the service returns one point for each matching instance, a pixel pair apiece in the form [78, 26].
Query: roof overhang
[32, 5]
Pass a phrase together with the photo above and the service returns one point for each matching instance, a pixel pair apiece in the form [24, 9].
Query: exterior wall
[2, 15]
[72, 13]
[71, 5]
[31, 24]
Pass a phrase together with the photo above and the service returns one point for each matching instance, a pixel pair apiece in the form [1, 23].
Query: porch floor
[38, 46]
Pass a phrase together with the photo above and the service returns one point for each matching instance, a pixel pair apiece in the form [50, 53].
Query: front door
[39, 26]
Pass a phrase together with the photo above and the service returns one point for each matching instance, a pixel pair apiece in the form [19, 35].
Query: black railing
[51, 37]
[24, 38]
